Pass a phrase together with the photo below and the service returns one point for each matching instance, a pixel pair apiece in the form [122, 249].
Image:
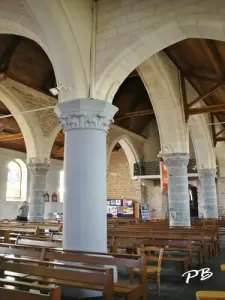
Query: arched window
[61, 185]
[16, 181]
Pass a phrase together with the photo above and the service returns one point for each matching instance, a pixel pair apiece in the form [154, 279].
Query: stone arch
[202, 141]
[63, 41]
[28, 124]
[129, 149]
[161, 80]
[154, 38]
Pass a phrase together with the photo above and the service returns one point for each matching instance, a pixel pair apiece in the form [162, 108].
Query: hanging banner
[164, 177]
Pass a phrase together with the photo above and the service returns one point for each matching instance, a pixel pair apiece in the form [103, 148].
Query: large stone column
[221, 196]
[38, 169]
[208, 190]
[178, 196]
[85, 124]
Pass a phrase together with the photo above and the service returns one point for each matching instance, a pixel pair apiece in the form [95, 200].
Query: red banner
[164, 177]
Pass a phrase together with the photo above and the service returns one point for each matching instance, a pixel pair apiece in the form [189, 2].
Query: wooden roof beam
[220, 132]
[220, 139]
[213, 55]
[204, 78]
[146, 112]
[207, 109]
[201, 97]
[7, 55]
[11, 137]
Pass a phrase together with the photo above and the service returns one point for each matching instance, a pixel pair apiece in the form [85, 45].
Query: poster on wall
[164, 176]
[144, 212]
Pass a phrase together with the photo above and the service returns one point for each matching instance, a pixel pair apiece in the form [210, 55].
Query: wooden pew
[183, 246]
[210, 295]
[4, 236]
[98, 279]
[37, 242]
[51, 255]
[15, 293]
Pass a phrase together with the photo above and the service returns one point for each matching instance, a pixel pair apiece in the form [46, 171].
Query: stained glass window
[14, 181]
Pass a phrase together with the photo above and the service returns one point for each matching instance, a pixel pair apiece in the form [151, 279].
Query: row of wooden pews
[35, 257]
[83, 270]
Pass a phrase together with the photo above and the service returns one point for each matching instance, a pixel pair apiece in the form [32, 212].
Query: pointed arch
[129, 149]
[142, 45]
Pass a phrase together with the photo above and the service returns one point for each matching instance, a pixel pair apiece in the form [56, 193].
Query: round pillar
[85, 123]
[38, 169]
[209, 193]
[178, 196]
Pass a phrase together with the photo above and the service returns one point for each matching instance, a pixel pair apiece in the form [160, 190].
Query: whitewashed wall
[9, 209]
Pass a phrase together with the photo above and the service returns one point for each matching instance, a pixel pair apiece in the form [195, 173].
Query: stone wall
[155, 199]
[119, 182]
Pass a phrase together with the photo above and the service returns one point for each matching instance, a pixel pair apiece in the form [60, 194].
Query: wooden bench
[183, 246]
[210, 295]
[16, 293]
[98, 279]
[51, 255]
[37, 242]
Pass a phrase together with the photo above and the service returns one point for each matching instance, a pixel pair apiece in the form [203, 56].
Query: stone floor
[174, 286]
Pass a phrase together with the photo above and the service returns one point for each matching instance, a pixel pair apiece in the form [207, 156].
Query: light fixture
[57, 89]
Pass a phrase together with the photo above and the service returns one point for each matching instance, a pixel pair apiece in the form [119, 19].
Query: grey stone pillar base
[208, 190]
[38, 170]
[178, 196]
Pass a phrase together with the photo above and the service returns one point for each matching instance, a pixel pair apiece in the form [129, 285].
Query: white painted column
[208, 190]
[38, 169]
[178, 195]
[85, 124]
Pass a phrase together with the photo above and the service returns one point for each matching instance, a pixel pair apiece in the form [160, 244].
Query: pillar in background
[178, 195]
[208, 190]
[38, 169]
[85, 123]
[221, 195]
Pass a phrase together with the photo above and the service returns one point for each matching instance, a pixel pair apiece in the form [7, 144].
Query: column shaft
[178, 196]
[38, 169]
[85, 123]
[208, 189]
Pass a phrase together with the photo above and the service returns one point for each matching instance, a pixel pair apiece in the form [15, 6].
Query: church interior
[112, 149]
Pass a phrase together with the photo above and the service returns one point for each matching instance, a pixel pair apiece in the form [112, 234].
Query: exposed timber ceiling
[200, 61]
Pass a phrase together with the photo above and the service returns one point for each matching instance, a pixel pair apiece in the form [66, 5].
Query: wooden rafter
[204, 78]
[141, 113]
[6, 57]
[201, 97]
[11, 137]
[220, 132]
[220, 139]
[207, 109]
[213, 55]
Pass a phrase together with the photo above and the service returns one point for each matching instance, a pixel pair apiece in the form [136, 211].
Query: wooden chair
[15, 292]
[152, 271]
[210, 295]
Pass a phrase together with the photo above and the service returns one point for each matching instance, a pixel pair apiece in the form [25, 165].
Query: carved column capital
[38, 165]
[176, 160]
[86, 114]
[207, 174]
